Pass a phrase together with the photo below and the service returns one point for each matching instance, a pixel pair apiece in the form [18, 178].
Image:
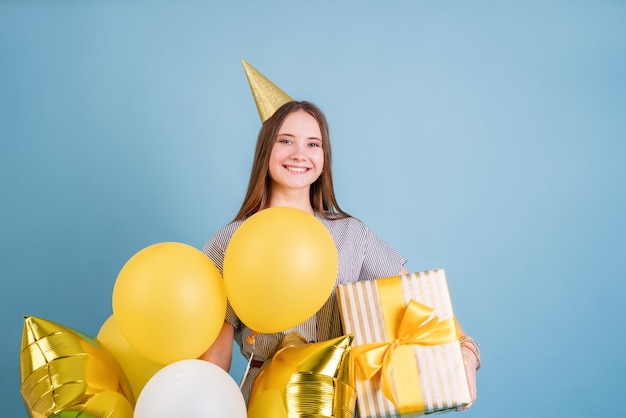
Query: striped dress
[362, 256]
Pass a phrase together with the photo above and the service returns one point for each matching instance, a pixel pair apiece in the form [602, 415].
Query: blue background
[485, 137]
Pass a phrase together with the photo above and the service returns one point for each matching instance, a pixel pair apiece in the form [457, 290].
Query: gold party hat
[267, 96]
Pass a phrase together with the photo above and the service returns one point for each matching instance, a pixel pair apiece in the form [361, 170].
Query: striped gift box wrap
[406, 347]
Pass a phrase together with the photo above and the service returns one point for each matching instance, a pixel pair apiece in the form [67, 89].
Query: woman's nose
[299, 151]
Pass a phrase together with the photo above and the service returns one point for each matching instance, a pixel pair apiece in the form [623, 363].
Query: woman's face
[297, 157]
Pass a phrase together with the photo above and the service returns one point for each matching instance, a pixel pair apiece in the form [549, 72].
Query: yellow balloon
[105, 404]
[169, 302]
[312, 380]
[137, 368]
[64, 371]
[279, 268]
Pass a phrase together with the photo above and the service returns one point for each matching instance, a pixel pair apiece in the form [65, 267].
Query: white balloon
[191, 389]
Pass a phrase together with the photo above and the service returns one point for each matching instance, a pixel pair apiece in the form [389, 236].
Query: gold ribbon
[418, 326]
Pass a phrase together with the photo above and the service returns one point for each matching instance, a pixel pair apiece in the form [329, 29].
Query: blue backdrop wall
[486, 137]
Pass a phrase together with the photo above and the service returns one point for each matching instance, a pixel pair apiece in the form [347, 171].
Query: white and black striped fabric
[362, 256]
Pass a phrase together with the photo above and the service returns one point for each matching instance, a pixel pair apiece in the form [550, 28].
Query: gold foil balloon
[137, 368]
[306, 381]
[65, 373]
[169, 302]
[279, 268]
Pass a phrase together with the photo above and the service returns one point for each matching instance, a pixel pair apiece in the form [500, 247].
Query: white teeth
[297, 169]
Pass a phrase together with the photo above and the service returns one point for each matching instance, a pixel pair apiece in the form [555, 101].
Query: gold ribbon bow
[419, 326]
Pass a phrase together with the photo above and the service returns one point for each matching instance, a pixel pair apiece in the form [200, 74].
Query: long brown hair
[322, 192]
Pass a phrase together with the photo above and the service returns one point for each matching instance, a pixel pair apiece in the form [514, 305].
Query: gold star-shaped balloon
[65, 373]
[306, 380]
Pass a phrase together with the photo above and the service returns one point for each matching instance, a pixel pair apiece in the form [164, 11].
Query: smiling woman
[292, 168]
[296, 161]
[292, 163]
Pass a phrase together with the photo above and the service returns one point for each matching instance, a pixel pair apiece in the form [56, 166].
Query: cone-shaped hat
[267, 96]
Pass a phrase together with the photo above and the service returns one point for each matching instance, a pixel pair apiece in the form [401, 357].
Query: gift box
[408, 359]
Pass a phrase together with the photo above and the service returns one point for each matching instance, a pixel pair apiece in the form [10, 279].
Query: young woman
[292, 167]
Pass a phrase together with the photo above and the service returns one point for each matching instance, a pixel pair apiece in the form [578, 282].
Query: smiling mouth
[296, 169]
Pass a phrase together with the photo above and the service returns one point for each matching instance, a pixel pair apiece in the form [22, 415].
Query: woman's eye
[284, 141]
[315, 144]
